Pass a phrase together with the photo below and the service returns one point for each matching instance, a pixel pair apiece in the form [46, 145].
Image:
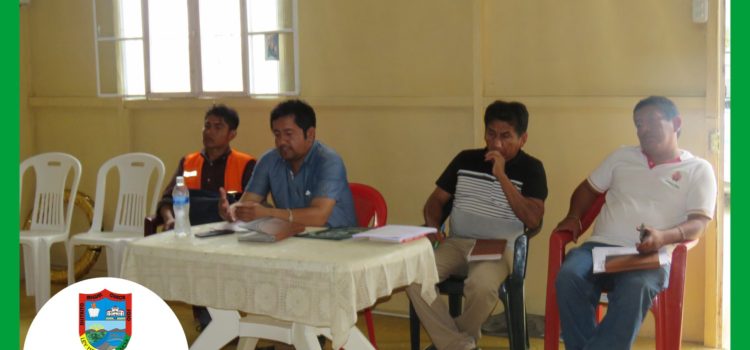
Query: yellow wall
[399, 87]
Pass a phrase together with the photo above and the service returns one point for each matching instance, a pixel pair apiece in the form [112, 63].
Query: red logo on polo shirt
[676, 176]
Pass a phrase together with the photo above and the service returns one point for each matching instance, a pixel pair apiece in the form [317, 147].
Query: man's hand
[436, 238]
[498, 163]
[651, 239]
[248, 211]
[571, 224]
[165, 212]
[224, 208]
[168, 223]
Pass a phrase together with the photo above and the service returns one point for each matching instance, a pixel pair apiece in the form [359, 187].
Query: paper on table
[631, 259]
[236, 226]
[395, 233]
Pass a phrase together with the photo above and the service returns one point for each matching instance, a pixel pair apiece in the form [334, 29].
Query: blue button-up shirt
[322, 174]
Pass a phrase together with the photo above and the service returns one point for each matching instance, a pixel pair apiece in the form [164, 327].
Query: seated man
[306, 179]
[667, 190]
[215, 167]
[490, 193]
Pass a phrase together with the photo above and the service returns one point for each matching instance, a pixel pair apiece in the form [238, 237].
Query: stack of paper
[395, 233]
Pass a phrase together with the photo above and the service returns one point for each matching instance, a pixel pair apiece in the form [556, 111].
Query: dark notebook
[620, 263]
[487, 249]
[335, 233]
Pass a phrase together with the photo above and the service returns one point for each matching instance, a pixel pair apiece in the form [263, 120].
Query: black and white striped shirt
[480, 208]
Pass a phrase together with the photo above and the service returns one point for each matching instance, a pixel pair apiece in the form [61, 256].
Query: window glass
[133, 73]
[108, 73]
[130, 19]
[221, 45]
[271, 63]
[269, 15]
[169, 45]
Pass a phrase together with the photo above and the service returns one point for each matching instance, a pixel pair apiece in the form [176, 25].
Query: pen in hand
[643, 231]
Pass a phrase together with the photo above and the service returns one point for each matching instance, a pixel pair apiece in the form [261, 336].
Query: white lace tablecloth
[316, 282]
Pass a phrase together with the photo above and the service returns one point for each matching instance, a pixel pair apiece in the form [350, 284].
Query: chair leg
[110, 255]
[454, 304]
[28, 267]
[370, 327]
[413, 327]
[517, 311]
[118, 248]
[668, 318]
[70, 250]
[504, 298]
[42, 274]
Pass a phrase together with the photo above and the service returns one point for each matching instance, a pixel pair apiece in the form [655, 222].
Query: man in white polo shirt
[668, 190]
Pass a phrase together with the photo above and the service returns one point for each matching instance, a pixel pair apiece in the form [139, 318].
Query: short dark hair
[513, 113]
[304, 115]
[229, 115]
[665, 105]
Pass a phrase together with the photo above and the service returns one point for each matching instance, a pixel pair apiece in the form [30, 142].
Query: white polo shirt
[660, 197]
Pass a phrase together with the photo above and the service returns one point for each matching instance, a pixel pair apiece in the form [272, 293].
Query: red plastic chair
[369, 205]
[371, 211]
[667, 305]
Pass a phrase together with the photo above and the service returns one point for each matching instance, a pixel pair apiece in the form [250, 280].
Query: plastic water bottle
[181, 207]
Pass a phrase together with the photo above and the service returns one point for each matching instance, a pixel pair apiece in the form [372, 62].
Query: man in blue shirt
[306, 179]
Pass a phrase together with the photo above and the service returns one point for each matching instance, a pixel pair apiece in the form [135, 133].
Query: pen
[642, 230]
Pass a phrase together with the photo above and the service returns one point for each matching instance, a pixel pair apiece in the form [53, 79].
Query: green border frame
[9, 93]
[740, 109]
[9, 70]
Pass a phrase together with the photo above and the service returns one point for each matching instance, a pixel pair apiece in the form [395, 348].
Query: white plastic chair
[50, 221]
[135, 170]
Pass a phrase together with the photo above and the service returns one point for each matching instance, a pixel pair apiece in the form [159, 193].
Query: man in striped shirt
[490, 193]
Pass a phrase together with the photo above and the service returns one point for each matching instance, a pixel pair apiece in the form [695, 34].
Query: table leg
[357, 341]
[224, 326]
[305, 337]
[247, 343]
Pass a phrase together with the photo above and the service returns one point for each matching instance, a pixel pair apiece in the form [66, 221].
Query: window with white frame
[196, 47]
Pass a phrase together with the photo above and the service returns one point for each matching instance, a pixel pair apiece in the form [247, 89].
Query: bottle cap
[179, 181]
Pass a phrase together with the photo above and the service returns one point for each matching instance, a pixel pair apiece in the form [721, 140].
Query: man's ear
[523, 138]
[310, 134]
[677, 124]
[232, 134]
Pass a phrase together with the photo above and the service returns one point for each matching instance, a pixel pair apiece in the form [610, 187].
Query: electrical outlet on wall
[700, 11]
[714, 141]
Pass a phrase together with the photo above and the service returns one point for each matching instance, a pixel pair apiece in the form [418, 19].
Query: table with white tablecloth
[312, 282]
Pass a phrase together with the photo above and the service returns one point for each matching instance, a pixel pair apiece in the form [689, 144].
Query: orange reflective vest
[236, 162]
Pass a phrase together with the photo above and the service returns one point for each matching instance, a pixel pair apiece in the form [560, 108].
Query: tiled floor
[392, 332]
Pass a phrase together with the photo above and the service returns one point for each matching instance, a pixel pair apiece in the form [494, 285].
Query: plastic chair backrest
[51, 171]
[369, 205]
[135, 171]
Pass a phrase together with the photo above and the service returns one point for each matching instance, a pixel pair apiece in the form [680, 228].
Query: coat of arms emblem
[104, 320]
